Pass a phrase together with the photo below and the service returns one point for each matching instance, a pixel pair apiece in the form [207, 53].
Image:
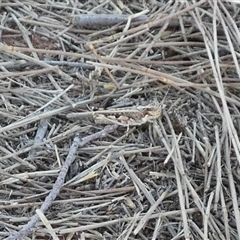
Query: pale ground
[170, 170]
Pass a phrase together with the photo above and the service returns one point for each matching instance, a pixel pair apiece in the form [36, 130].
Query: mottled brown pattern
[134, 116]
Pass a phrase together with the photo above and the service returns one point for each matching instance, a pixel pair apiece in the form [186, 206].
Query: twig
[102, 20]
[77, 142]
[28, 73]
[42, 129]
[24, 64]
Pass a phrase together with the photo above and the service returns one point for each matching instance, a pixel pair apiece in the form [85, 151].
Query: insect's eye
[94, 108]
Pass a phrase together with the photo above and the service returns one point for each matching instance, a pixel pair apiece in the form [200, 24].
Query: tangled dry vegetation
[170, 177]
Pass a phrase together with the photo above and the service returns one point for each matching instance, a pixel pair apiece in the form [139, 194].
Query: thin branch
[42, 129]
[24, 64]
[77, 142]
[102, 20]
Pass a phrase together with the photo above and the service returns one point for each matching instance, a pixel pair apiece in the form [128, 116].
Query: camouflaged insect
[134, 116]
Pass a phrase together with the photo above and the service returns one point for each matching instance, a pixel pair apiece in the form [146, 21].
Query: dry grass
[173, 178]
